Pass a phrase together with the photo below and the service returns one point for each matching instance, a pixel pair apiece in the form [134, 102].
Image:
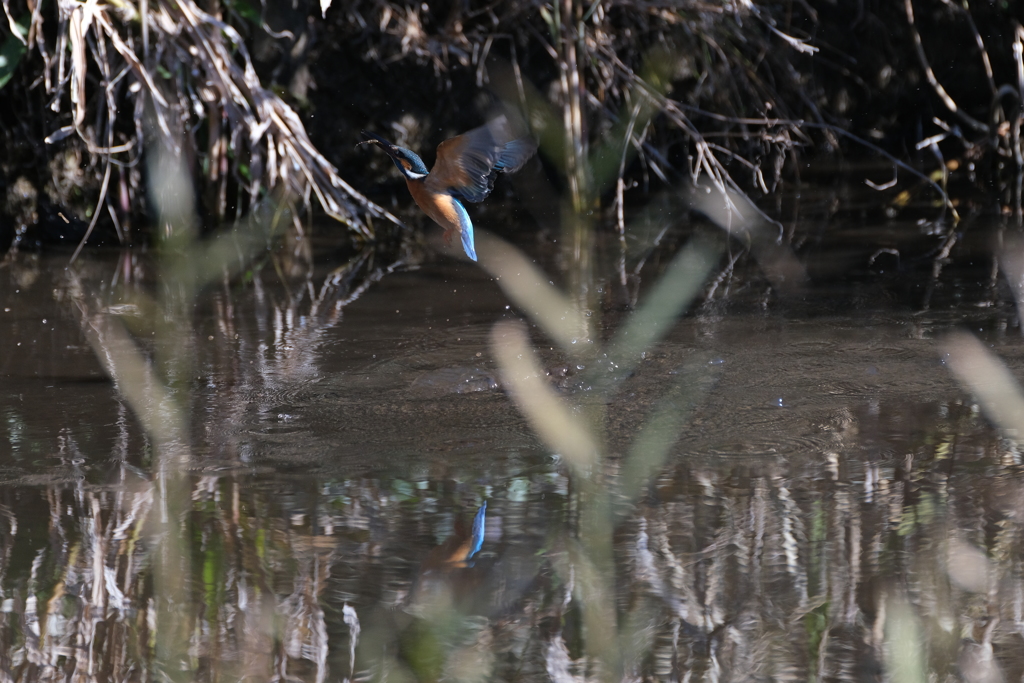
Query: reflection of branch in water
[163, 419]
[940, 260]
[130, 370]
[91, 574]
[298, 332]
[715, 553]
[338, 285]
[305, 626]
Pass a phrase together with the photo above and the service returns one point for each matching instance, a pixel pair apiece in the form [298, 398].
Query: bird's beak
[374, 139]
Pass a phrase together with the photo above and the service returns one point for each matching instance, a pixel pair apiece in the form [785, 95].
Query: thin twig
[95, 214]
[933, 81]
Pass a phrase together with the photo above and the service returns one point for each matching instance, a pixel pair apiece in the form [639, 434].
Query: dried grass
[715, 89]
[137, 73]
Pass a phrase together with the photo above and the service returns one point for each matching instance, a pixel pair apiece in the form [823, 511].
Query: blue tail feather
[465, 230]
[467, 242]
[477, 538]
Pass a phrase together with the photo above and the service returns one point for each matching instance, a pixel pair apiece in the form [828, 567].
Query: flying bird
[464, 171]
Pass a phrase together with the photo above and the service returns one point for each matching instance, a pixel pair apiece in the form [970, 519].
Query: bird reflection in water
[449, 573]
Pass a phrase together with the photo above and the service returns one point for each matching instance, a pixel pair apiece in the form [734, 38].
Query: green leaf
[11, 53]
[247, 10]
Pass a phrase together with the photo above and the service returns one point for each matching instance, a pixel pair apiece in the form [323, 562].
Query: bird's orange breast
[441, 208]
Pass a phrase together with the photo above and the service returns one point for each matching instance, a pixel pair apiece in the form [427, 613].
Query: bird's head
[407, 161]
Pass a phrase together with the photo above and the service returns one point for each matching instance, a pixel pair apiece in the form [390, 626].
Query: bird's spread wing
[467, 165]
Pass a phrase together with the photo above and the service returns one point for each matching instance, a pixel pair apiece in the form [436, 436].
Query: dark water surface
[836, 506]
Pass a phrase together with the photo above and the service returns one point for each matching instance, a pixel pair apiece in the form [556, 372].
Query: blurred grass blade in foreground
[154, 379]
[530, 290]
[550, 416]
[650, 448]
[655, 317]
[904, 644]
[984, 375]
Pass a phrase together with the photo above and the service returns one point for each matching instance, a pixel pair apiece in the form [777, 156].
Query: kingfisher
[452, 568]
[458, 550]
[464, 171]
